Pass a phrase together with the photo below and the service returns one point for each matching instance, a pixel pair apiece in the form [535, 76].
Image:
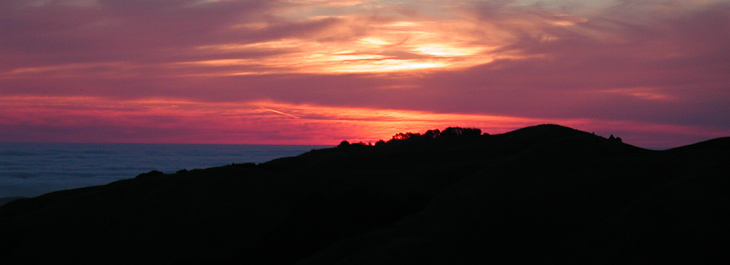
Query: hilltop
[545, 193]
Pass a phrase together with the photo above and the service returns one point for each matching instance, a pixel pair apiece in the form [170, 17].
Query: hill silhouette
[5, 200]
[545, 193]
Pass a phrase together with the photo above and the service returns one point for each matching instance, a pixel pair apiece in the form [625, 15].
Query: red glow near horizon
[176, 121]
[318, 72]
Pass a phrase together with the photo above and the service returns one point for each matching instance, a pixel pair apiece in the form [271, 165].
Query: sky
[655, 73]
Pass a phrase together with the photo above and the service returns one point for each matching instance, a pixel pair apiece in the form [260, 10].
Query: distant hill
[542, 194]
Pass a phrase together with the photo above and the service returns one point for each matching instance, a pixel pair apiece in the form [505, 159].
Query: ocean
[32, 169]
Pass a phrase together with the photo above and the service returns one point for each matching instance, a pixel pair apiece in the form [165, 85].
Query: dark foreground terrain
[543, 194]
[5, 200]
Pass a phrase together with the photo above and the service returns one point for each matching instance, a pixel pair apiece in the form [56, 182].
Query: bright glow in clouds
[316, 72]
[396, 46]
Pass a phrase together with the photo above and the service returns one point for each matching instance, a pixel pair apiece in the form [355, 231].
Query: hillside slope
[542, 193]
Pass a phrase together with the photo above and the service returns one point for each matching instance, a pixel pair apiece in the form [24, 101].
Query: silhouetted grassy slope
[543, 193]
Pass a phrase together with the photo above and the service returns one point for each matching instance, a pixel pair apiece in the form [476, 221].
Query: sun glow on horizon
[185, 121]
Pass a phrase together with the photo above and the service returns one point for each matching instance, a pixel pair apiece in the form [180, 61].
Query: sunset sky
[656, 73]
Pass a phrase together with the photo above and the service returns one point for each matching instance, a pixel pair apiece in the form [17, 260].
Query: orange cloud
[386, 47]
[647, 93]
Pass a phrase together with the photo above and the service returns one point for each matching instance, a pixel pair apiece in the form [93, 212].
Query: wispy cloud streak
[88, 119]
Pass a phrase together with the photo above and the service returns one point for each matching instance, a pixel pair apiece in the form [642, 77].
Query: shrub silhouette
[457, 132]
[448, 133]
[405, 136]
[150, 174]
[615, 139]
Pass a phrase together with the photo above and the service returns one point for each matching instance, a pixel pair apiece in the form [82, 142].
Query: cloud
[57, 32]
[565, 70]
[615, 62]
[89, 119]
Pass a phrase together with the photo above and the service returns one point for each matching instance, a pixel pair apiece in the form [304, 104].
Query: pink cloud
[661, 65]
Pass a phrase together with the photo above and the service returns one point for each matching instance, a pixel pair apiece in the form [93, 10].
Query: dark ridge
[5, 200]
[540, 194]
[722, 143]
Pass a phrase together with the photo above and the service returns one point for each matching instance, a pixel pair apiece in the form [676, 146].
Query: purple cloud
[649, 63]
